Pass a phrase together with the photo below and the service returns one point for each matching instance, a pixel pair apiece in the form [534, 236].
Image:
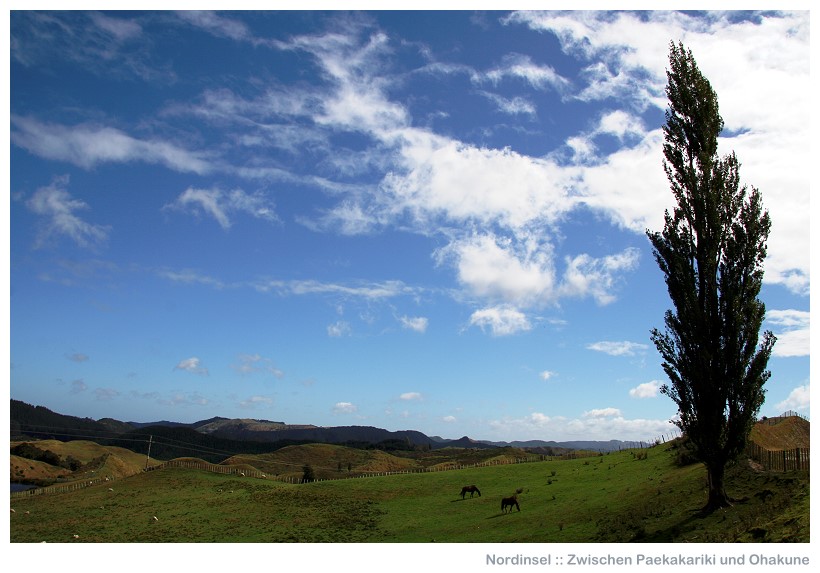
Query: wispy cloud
[78, 357]
[192, 365]
[220, 204]
[338, 329]
[248, 364]
[78, 386]
[520, 66]
[106, 394]
[103, 44]
[415, 323]
[370, 291]
[345, 408]
[215, 24]
[190, 276]
[255, 401]
[546, 375]
[512, 106]
[407, 396]
[618, 348]
[88, 145]
[58, 209]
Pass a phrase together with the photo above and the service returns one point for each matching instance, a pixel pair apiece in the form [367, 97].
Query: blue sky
[411, 220]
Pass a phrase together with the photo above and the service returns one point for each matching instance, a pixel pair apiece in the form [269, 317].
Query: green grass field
[618, 497]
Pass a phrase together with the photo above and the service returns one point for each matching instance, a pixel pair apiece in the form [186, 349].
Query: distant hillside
[541, 445]
[169, 442]
[783, 433]
[252, 430]
[44, 461]
[37, 422]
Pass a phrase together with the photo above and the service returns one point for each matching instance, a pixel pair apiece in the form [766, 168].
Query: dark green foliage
[307, 473]
[37, 422]
[684, 451]
[32, 452]
[72, 463]
[711, 252]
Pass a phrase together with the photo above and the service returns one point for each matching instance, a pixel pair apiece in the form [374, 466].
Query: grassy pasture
[611, 498]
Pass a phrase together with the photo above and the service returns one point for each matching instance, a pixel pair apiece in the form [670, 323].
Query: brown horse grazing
[472, 489]
[510, 502]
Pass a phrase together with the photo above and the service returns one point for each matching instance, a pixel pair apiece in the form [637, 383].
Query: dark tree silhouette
[711, 252]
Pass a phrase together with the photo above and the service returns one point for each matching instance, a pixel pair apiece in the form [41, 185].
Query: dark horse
[472, 489]
[509, 502]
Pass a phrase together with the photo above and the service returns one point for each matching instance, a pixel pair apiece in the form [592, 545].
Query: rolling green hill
[638, 495]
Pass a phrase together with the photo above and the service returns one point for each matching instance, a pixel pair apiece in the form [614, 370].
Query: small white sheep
[110, 489]
[12, 510]
[155, 518]
[76, 536]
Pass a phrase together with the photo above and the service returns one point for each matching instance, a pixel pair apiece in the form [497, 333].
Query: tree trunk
[718, 499]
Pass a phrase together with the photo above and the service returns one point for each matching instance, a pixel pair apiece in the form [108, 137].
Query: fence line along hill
[785, 432]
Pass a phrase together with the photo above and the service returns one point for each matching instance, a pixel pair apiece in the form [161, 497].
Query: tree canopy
[711, 252]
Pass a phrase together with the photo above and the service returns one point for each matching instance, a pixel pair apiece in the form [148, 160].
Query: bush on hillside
[684, 451]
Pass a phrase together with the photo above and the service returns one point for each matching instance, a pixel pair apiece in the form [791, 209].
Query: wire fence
[772, 460]
[779, 460]
[244, 471]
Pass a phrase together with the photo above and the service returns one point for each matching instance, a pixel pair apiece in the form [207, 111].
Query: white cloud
[89, 145]
[371, 291]
[252, 363]
[512, 106]
[416, 323]
[603, 413]
[608, 426]
[344, 408]
[621, 348]
[646, 390]
[215, 24]
[78, 386]
[180, 399]
[192, 365]
[120, 29]
[502, 321]
[106, 394]
[793, 336]
[190, 276]
[750, 65]
[411, 396]
[58, 207]
[596, 277]
[448, 419]
[255, 401]
[338, 329]
[547, 375]
[219, 204]
[798, 399]
[522, 67]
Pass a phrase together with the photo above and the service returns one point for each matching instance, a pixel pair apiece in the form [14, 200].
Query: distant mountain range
[251, 434]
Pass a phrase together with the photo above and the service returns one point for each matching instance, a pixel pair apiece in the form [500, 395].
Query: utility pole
[150, 439]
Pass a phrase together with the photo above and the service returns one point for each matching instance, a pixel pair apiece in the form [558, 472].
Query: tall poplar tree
[711, 252]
